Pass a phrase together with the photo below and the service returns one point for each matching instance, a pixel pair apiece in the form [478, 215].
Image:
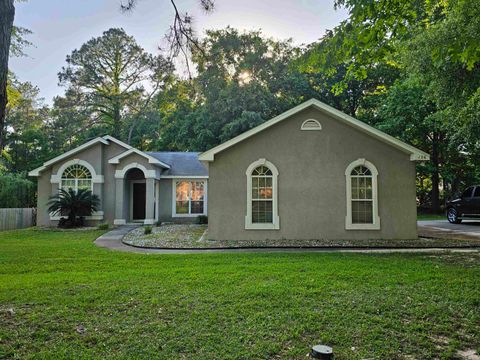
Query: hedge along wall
[16, 192]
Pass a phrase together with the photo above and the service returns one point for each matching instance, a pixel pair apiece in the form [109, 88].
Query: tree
[111, 74]
[73, 204]
[181, 36]
[243, 79]
[26, 132]
[16, 191]
[445, 59]
[407, 113]
[7, 15]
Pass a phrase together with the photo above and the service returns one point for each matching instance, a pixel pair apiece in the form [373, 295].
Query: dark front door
[138, 206]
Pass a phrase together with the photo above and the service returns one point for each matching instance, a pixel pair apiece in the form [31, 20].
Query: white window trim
[348, 219]
[174, 198]
[317, 126]
[57, 178]
[275, 225]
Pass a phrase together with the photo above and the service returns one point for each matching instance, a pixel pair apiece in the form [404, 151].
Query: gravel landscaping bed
[196, 236]
[167, 236]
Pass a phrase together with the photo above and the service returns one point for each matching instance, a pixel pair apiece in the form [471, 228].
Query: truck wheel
[452, 216]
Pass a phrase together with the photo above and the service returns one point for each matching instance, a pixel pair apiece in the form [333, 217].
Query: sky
[60, 26]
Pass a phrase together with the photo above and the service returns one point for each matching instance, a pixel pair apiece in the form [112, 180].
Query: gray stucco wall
[44, 191]
[311, 182]
[109, 152]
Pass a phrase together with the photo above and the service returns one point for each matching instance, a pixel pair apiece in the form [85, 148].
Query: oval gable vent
[311, 124]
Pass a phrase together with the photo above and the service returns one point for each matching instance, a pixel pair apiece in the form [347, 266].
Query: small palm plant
[73, 204]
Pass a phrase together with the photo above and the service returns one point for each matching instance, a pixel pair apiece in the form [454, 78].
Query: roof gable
[151, 159]
[103, 140]
[415, 154]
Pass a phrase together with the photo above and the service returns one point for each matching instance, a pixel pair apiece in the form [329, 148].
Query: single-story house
[312, 172]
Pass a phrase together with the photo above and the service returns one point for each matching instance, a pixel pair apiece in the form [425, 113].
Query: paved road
[442, 228]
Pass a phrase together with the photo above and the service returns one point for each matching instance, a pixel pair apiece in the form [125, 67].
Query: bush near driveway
[62, 297]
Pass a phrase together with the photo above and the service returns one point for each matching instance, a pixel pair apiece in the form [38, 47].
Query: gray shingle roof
[181, 163]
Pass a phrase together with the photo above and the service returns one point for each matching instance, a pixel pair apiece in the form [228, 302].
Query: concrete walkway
[442, 229]
[113, 240]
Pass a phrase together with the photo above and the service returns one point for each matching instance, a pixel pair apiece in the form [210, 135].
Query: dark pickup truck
[467, 206]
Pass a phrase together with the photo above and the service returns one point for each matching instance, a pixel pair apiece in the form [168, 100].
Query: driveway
[468, 229]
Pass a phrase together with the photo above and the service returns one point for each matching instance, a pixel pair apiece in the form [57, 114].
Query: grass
[70, 299]
[431, 217]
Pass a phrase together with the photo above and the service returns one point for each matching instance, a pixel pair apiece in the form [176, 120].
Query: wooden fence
[17, 218]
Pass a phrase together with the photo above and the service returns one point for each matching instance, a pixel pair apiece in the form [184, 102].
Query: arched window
[262, 211]
[362, 198]
[76, 177]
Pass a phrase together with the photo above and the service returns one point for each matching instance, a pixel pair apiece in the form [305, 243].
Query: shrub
[16, 192]
[203, 219]
[75, 205]
[147, 230]
[103, 226]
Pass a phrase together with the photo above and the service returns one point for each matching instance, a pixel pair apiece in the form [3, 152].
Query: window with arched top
[76, 177]
[362, 196]
[262, 204]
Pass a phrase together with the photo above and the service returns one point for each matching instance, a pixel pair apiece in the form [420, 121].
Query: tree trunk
[117, 118]
[435, 194]
[7, 14]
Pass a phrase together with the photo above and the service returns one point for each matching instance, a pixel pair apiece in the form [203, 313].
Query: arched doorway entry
[136, 188]
[136, 194]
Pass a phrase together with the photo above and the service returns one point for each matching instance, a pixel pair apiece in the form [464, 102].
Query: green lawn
[230, 306]
[431, 217]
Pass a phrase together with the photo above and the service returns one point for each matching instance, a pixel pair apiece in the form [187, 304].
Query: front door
[138, 201]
